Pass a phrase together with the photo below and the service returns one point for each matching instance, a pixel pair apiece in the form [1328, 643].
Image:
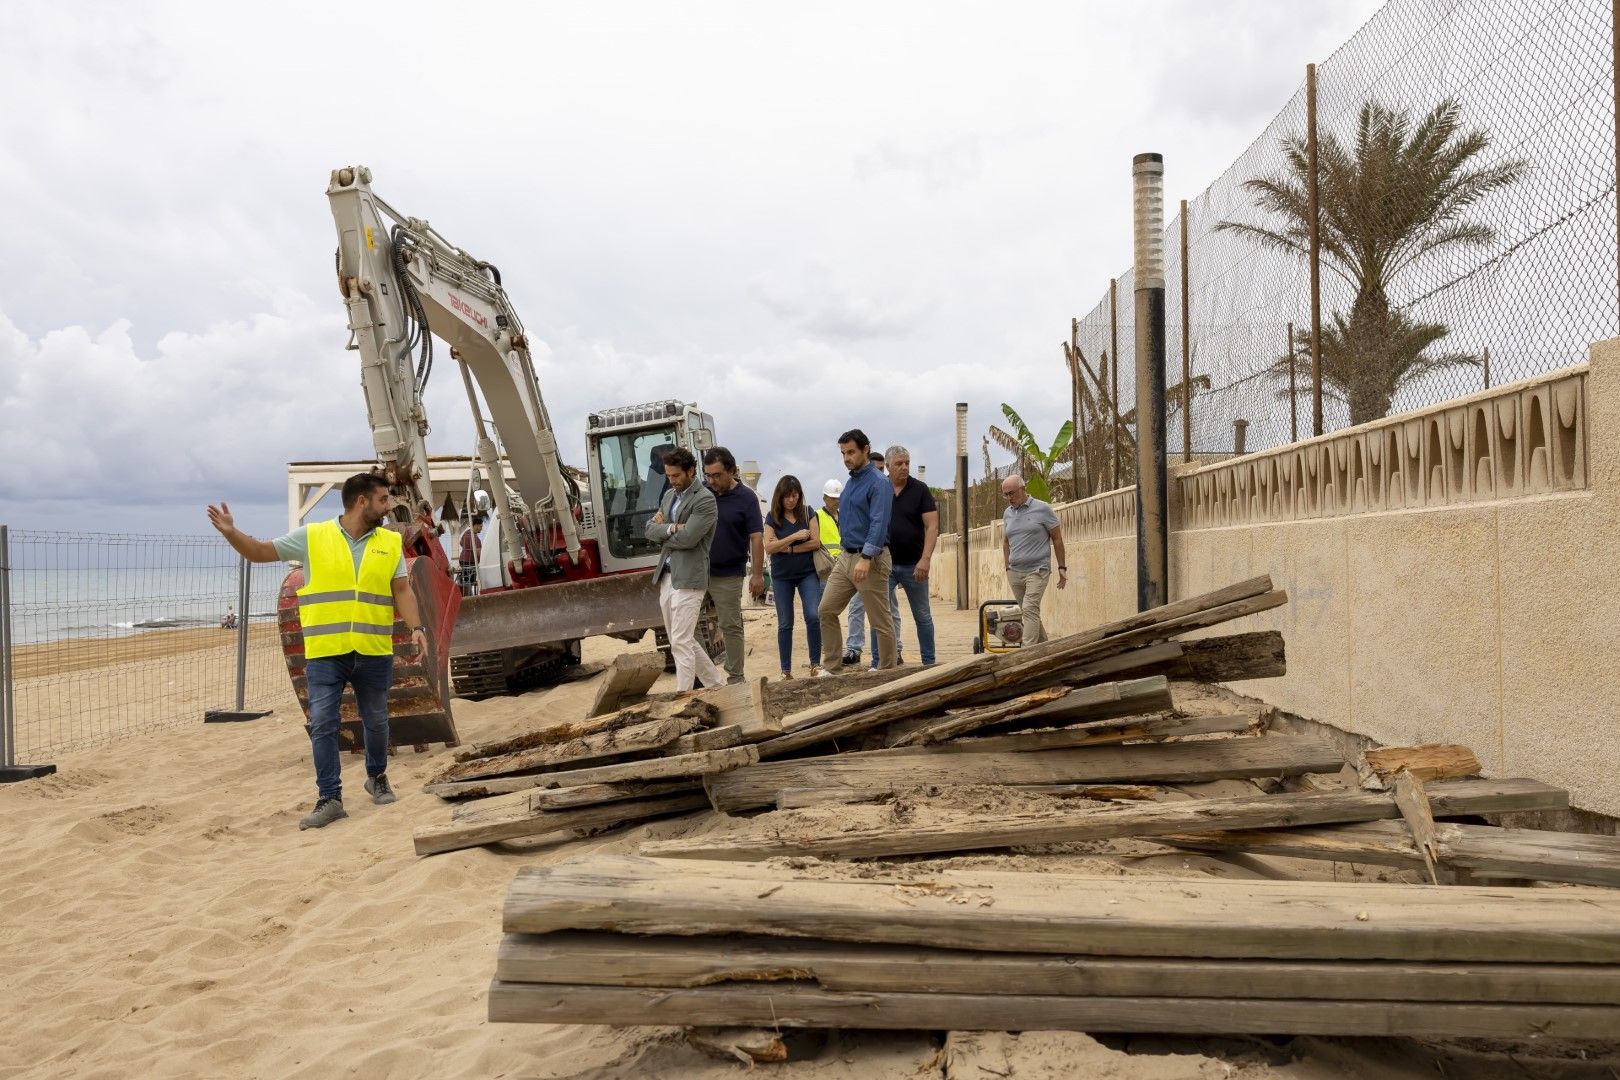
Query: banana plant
[1035, 464]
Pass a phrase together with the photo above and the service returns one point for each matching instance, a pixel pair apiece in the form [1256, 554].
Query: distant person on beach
[472, 547]
[354, 578]
[227, 621]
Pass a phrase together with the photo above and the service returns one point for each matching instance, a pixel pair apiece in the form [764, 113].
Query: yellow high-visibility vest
[341, 611]
[829, 533]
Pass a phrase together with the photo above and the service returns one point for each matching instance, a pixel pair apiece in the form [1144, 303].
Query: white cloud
[804, 218]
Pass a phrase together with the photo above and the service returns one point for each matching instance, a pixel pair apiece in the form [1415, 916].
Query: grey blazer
[688, 548]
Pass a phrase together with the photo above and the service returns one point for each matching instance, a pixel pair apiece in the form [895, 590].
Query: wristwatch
[1063, 569]
[421, 628]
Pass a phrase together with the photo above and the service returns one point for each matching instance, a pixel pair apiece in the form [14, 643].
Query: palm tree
[1036, 465]
[1399, 194]
[1342, 375]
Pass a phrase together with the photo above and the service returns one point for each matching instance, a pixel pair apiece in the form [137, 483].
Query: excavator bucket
[419, 701]
[560, 611]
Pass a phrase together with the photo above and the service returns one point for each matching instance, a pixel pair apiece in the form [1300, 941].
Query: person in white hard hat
[828, 517]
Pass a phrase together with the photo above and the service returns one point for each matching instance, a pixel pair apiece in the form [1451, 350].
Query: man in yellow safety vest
[354, 578]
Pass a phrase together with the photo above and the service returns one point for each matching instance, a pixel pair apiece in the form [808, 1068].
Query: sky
[805, 218]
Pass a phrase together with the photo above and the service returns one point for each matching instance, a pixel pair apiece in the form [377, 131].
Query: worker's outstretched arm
[249, 548]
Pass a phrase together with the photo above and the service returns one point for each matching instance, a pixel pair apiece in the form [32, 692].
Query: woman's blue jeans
[808, 589]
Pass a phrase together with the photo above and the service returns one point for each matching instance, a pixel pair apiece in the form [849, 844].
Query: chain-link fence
[1465, 179]
[114, 635]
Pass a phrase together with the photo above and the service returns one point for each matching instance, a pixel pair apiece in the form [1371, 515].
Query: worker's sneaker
[380, 790]
[326, 811]
[852, 656]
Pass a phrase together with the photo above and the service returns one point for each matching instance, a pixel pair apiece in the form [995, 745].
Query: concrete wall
[1451, 573]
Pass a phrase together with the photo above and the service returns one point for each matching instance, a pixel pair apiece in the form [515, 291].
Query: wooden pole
[1113, 351]
[1293, 384]
[1186, 338]
[1313, 211]
[1487, 357]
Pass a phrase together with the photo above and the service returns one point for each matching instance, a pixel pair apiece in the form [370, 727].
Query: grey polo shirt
[1028, 530]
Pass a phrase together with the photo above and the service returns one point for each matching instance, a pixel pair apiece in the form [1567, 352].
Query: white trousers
[692, 664]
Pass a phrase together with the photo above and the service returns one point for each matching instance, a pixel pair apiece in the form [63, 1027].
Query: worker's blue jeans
[371, 676]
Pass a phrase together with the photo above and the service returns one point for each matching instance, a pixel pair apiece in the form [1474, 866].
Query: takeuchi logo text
[467, 310]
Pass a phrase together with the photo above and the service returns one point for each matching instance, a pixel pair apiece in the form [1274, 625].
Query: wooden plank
[568, 730]
[1048, 707]
[797, 798]
[882, 771]
[1140, 661]
[639, 738]
[630, 676]
[1414, 807]
[655, 768]
[630, 960]
[997, 911]
[1483, 850]
[1035, 662]
[1431, 761]
[979, 832]
[783, 699]
[742, 704]
[962, 670]
[938, 729]
[1094, 733]
[802, 1006]
[433, 839]
[567, 798]
[713, 739]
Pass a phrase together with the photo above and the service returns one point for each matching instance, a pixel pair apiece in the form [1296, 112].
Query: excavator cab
[626, 448]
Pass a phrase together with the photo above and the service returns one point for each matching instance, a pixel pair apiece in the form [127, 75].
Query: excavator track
[418, 702]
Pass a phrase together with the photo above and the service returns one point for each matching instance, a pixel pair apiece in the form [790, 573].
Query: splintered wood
[1087, 738]
[624, 940]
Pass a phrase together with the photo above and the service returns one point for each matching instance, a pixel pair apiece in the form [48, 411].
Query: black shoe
[852, 656]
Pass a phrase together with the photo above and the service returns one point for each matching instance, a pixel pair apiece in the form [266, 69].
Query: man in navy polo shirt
[739, 535]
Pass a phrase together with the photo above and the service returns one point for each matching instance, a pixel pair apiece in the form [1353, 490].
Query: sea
[68, 586]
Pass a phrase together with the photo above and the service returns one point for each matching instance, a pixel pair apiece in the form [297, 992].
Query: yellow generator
[1001, 627]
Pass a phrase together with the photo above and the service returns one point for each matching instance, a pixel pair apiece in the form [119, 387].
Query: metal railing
[103, 636]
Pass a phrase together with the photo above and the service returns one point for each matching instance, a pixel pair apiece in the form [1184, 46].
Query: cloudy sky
[804, 217]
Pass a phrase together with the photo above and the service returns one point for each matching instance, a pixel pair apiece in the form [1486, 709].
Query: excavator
[561, 561]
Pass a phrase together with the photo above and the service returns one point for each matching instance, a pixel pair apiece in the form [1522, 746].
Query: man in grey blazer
[684, 527]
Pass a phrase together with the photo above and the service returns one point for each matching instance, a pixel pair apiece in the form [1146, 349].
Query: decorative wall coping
[1512, 441]
[1520, 439]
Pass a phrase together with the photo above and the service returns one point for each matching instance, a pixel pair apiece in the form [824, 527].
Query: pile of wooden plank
[629, 940]
[1051, 716]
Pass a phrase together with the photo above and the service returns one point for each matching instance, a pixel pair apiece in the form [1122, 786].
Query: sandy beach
[165, 917]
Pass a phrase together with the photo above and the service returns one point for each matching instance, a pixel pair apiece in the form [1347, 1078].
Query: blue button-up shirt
[864, 511]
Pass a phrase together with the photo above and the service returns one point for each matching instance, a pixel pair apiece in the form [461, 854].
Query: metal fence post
[962, 505]
[1113, 350]
[1186, 341]
[1313, 210]
[10, 771]
[244, 596]
[1293, 388]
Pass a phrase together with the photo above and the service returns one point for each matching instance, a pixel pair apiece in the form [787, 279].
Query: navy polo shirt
[738, 518]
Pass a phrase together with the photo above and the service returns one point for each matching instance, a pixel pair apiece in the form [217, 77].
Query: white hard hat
[832, 489]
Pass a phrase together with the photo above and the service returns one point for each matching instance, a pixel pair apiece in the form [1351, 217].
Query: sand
[165, 917]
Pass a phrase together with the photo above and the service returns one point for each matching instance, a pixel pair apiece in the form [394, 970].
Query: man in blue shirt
[863, 568]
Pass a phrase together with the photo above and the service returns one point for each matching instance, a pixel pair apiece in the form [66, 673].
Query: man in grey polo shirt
[1029, 535]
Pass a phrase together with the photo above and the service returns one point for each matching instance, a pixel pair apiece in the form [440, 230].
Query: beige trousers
[1028, 589]
[681, 608]
[874, 593]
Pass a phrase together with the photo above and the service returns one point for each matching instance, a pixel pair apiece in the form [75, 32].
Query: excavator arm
[404, 285]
